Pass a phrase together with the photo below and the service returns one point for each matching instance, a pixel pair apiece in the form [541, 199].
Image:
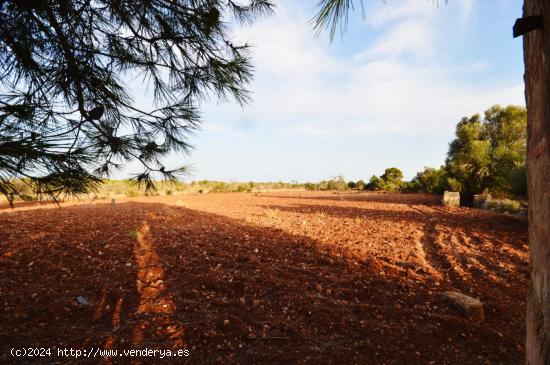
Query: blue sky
[389, 93]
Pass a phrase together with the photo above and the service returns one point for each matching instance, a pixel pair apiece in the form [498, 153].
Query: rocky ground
[270, 278]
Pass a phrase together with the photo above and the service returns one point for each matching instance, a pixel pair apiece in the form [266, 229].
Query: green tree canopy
[489, 153]
[390, 180]
[430, 180]
[66, 116]
[392, 175]
[337, 183]
[375, 183]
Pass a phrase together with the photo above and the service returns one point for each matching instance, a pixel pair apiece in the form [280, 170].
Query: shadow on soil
[412, 212]
[372, 197]
[446, 234]
[160, 277]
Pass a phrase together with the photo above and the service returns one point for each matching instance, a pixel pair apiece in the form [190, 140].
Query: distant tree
[67, 118]
[323, 185]
[375, 183]
[392, 175]
[337, 183]
[391, 180]
[352, 185]
[360, 185]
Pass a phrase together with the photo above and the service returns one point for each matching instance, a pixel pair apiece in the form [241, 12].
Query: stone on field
[469, 307]
[451, 198]
[82, 301]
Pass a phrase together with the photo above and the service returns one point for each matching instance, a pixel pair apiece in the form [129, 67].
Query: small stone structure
[467, 306]
[451, 198]
[481, 201]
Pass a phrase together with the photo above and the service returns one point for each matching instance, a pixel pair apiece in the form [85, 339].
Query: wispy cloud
[393, 10]
[395, 85]
[392, 90]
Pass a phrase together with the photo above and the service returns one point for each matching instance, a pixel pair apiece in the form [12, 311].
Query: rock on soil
[469, 307]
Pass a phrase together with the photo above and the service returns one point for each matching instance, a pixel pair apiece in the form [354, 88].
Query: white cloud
[396, 85]
[396, 9]
[410, 36]
[466, 7]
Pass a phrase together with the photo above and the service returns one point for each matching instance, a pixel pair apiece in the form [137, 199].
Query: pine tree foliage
[333, 14]
[490, 153]
[67, 118]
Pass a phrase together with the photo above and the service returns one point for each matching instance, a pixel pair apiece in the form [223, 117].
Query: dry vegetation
[282, 278]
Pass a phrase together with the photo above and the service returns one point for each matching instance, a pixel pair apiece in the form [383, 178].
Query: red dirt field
[278, 278]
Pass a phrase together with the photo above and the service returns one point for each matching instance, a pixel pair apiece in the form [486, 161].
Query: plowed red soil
[280, 278]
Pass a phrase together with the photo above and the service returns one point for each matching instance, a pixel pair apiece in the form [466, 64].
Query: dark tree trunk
[537, 93]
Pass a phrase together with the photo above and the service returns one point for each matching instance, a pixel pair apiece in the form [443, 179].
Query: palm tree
[333, 14]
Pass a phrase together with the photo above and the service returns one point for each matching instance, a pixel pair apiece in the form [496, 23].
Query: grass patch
[272, 213]
[506, 205]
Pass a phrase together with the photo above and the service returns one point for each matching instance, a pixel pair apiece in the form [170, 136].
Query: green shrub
[375, 183]
[511, 206]
[131, 193]
[391, 180]
[323, 185]
[506, 205]
[244, 189]
[169, 192]
[392, 186]
[311, 186]
[429, 181]
[412, 187]
[26, 197]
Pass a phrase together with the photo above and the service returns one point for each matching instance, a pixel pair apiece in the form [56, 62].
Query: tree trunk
[537, 94]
